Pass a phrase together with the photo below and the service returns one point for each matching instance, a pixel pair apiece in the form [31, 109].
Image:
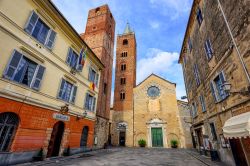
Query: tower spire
[127, 29]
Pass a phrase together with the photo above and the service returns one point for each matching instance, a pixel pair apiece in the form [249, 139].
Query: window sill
[67, 102]
[19, 84]
[194, 117]
[209, 59]
[220, 101]
[38, 43]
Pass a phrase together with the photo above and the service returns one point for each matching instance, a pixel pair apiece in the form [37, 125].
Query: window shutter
[39, 76]
[209, 46]
[13, 64]
[90, 71]
[222, 77]
[31, 22]
[73, 94]
[206, 50]
[93, 106]
[70, 53]
[86, 101]
[61, 89]
[189, 44]
[51, 39]
[96, 79]
[213, 91]
[79, 65]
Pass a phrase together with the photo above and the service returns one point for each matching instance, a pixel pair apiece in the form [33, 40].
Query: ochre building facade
[47, 101]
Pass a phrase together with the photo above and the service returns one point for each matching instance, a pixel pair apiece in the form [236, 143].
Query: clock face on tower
[153, 91]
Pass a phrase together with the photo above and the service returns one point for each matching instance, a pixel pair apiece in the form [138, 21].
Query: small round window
[153, 91]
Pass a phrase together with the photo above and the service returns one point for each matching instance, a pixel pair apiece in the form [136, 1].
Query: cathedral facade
[154, 117]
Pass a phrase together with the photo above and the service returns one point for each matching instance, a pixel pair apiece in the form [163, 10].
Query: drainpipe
[234, 43]
[133, 123]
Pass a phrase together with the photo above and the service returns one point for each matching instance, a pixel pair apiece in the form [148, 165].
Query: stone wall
[101, 132]
[225, 58]
[185, 123]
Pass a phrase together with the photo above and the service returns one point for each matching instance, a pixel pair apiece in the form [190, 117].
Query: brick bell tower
[125, 74]
[99, 35]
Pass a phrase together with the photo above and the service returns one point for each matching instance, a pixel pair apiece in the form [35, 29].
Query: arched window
[124, 54]
[122, 96]
[8, 125]
[84, 138]
[125, 42]
[123, 67]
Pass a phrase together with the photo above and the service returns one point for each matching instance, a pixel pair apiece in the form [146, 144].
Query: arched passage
[8, 124]
[84, 137]
[56, 139]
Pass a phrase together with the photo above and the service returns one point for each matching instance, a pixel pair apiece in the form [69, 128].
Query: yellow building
[154, 117]
[44, 87]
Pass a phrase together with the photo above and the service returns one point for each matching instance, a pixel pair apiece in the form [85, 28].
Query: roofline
[76, 33]
[187, 27]
[182, 101]
[156, 76]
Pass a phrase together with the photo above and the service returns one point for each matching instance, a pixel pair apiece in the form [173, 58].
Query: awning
[237, 126]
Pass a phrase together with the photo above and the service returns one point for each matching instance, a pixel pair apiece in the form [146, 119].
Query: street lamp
[227, 88]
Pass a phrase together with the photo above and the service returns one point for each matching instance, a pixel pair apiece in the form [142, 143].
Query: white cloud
[156, 61]
[154, 24]
[163, 64]
[172, 8]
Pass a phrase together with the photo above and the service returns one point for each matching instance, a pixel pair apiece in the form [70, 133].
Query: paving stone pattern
[135, 157]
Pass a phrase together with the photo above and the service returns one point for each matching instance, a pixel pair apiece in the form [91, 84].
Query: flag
[92, 86]
[82, 57]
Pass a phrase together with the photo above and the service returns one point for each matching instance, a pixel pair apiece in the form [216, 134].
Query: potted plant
[39, 156]
[174, 143]
[142, 143]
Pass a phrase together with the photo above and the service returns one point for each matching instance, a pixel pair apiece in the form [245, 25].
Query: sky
[159, 26]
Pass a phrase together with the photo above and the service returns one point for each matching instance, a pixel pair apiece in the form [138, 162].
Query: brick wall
[36, 124]
[129, 73]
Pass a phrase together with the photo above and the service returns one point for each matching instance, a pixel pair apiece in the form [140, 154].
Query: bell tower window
[125, 42]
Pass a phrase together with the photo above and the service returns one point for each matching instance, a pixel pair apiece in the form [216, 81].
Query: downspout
[133, 123]
[234, 43]
[241, 60]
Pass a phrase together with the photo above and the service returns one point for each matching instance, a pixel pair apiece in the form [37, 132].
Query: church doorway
[55, 139]
[122, 138]
[157, 137]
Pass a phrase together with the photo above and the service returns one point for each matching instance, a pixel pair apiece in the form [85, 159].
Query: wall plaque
[61, 117]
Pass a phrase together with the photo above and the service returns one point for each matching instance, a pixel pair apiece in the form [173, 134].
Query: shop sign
[61, 117]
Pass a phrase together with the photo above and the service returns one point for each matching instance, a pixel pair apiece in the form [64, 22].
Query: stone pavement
[132, 157]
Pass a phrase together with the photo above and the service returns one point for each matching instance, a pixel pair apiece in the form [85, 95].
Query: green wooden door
[157, 140]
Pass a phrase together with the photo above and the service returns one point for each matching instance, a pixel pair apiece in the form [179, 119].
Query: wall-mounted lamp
[227, 88]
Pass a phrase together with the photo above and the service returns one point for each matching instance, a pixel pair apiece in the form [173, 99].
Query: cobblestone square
[133, 157]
